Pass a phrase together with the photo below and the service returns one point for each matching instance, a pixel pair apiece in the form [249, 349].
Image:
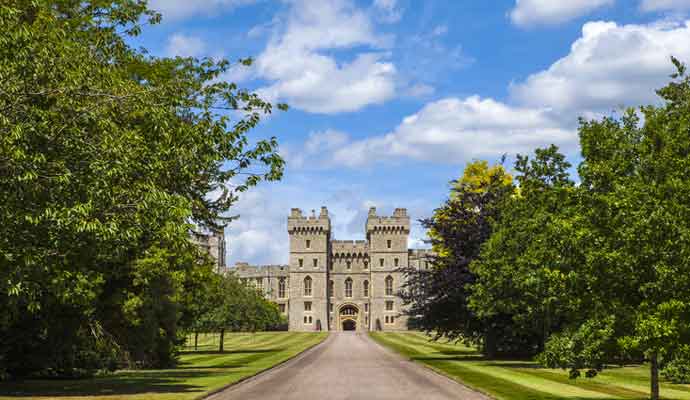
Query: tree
[438, 298]
[635, 235]
[107, 158]
[525, 264]
[238, 307]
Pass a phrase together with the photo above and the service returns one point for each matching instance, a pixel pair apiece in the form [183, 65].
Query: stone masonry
[334, 285]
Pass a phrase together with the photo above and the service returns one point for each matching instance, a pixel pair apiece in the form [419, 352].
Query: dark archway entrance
[348, 317]
[349, 325]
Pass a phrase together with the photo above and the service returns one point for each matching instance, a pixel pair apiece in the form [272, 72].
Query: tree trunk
[196, 341]
[654, 369]
[490, 344]
[222, 339]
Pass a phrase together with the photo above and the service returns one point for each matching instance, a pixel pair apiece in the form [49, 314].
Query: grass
[523, 379]
[198, 372]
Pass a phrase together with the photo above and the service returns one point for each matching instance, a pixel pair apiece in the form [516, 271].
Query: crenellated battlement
[299, 223]
[399, 222]
[349, 248]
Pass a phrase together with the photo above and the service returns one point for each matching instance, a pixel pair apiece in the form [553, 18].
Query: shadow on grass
[128, 383]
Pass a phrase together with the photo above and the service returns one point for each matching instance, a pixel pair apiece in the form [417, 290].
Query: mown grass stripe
[523, 379]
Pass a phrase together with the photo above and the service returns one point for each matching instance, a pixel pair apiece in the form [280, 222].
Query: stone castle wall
[340, 284]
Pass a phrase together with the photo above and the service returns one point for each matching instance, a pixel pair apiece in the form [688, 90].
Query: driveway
[348, 365]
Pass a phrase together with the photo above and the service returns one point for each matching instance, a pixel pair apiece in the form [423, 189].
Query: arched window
[331, 288]
[281, 288]
[307, 286]
[389, 285]
[365, 287]
[348, 287]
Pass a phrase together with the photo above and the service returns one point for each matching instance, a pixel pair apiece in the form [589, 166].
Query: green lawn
[198, 372]
[521, 379]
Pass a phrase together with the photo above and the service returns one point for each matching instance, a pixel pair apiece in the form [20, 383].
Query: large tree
[634, 231]
[525, 264]
[107, 157]
[438, 298]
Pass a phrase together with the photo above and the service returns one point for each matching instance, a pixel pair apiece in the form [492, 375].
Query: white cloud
[185, 46]
[305, 77]
[180, 9]
[316, 150]
[609, 66]
[456, 130]
[259, 236]
[665, 5]
[548, 12]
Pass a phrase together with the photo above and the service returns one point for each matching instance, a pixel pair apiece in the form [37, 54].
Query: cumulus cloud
[185, 46]
[665, 5]
[456, 130]
[301, 73]
[609, 66]
[316, 150]
[548, 12]
[259, 236]
[180, 9]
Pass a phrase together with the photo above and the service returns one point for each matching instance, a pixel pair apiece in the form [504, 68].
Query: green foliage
[107, 157]
[238, 307]
[521, 271]
[438, 298]
[677, 370]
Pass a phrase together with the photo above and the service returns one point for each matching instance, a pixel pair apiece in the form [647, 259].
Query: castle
[334, 285]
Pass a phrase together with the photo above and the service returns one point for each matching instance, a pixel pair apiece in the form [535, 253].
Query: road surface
[348, 366]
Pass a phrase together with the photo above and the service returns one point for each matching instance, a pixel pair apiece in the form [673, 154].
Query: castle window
[307, 286]
[309, 244]
[381, 262]
[300, 262]
[348, 264]
[307, 306]
[348, 287]
[366, 265]
[281, 307]
[396, 262]
[281, 288]
[389, 285]
[389, 305]
[366, 307]
[316, 263]
[260, 283]
[392, 319]
[365, 287]
[331, 289]
[330, 307]
[305, 319]
[389, 244]
[386, 318]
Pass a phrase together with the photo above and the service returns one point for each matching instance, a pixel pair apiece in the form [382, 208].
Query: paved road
[348, 366]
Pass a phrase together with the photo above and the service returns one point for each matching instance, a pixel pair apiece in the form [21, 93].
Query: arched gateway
[348, 315]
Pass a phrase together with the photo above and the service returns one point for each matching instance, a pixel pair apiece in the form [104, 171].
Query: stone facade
[213, 243]
[340, 284]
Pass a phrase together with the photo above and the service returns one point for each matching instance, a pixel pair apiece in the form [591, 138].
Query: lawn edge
[247, 378]
[433, 369]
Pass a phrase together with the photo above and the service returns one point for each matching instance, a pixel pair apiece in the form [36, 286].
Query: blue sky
[389, 99]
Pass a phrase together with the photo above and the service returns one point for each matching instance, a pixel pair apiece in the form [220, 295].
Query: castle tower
[310, 239]
[387, 237]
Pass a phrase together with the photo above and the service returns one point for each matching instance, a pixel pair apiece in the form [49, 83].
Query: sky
[389, 99]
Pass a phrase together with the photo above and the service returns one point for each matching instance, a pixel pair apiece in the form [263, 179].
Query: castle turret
[309, 249]
[387, 237]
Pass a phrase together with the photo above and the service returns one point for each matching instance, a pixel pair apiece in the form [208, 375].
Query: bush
[677, 370]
